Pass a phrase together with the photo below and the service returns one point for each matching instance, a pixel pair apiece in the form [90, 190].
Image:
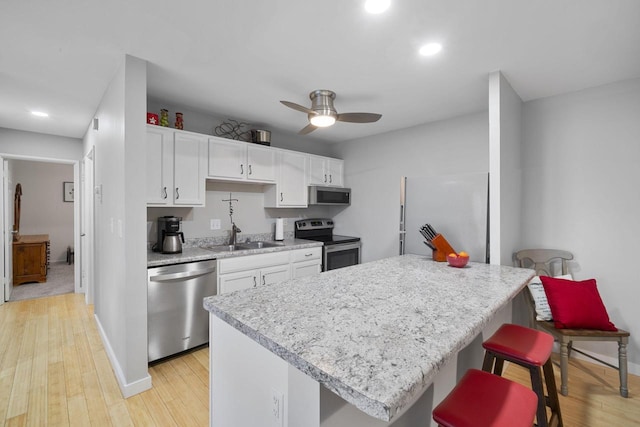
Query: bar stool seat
[531, 349]
[481, 399]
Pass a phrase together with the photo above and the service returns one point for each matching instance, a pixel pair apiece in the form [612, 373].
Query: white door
[86, 227]
[6, 225]
[189, 157]
[236, 281]
[276, 274]
[159, 166]
[317, 174]
[227, 159]
[262, 163]
[293, 179]
[336, 174]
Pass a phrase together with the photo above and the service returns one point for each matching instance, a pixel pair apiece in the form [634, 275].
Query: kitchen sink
[224, 248]
[258, 245]
[243, 246]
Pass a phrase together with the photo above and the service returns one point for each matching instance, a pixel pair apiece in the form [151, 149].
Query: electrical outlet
[284, 221]
[277, 408]
[215, 224]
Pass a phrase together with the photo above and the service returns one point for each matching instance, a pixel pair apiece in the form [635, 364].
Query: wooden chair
[541, 261]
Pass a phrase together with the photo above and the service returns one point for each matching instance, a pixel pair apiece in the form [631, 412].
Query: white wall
[505, 174]
[38, 145]
[43, 210]
[581, 175]
[121, 279]
[374, 166]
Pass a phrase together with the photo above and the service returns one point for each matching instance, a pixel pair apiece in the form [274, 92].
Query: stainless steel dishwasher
[177, 320]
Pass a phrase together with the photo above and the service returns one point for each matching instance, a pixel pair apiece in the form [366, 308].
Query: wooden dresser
[30, 259]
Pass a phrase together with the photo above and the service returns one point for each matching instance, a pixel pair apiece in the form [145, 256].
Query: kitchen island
[361, 345]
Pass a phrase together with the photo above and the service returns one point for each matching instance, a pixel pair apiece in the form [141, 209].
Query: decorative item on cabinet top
[233, 129]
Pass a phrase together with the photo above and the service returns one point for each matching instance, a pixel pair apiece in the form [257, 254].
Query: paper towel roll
[279, 229]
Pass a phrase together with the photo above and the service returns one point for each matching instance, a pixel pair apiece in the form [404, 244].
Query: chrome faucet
[234, 234]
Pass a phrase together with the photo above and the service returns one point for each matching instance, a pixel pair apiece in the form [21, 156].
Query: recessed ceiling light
[40, 114]
[430, 49]
[377, 6]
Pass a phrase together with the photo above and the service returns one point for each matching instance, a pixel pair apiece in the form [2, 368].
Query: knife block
[443, 248]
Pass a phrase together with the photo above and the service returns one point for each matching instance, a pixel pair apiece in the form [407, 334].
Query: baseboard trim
[127, 389]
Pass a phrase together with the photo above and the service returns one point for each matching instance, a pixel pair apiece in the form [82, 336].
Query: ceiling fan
[322, 112]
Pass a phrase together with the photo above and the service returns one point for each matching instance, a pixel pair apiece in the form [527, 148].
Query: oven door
[341, 255]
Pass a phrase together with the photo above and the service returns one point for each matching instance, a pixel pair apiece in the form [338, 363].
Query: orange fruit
[453, 255]
[463, 253]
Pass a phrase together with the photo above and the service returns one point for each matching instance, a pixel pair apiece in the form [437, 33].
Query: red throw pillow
[576, 305]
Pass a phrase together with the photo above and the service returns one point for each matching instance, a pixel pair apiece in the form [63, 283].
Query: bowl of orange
[458, 260]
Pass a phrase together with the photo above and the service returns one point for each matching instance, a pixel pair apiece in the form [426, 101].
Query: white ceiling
[239, 58]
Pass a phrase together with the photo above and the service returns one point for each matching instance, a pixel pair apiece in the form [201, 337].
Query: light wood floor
[54, 371]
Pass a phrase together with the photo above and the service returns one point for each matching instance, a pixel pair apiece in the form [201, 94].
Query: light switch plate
[277, 408]
[215, 224]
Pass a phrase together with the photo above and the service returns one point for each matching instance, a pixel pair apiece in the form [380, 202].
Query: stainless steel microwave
[329, 195]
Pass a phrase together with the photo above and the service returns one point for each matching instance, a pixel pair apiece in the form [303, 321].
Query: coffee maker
[170, 238]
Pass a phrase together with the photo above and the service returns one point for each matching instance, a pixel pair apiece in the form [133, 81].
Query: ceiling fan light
[322, 121]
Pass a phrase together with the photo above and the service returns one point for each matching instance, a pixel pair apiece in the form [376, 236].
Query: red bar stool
[531, 349]
[481, 399]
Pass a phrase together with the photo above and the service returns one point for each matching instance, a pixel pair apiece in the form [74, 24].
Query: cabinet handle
[264, 281]
[308, 254]
[177, 194]
[325, 177]
[330, 182]
[250, 170]
[281, 197]
[164, 193]
[254, 282]
[241, 169]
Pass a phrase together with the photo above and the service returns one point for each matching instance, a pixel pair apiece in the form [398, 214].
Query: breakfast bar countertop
[376, 334]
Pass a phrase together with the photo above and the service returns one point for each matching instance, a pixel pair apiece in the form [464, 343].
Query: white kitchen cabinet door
[305, 268]
[276, 274]
[189, 169]
[326, 171]
[236, 281]
[292, 180]
[317, 175]
[335, 175]
[227, 159]
[261, 163]
[159, 166]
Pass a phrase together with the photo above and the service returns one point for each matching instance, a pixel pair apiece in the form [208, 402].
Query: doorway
[49, 210]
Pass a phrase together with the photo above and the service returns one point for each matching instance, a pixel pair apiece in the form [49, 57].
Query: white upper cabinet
[290, 190]
[326, 171]
[176, 163]
[189, 166]
[240, 161]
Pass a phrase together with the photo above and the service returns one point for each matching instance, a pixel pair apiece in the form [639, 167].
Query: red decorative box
[152, 119]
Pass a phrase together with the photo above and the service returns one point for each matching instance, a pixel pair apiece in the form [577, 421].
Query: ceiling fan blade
[307, 129]
[358, 117]
[298, 107]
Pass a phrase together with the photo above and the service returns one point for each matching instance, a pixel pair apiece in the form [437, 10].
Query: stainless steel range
[338, 251]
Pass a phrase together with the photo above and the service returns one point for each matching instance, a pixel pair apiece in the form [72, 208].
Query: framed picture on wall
[67, 191]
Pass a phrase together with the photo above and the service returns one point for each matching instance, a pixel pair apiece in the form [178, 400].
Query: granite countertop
[375, 334]
[191, 254]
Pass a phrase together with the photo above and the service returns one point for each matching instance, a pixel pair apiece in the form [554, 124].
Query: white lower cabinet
[251, 271]
[252, 278]
[306, 262]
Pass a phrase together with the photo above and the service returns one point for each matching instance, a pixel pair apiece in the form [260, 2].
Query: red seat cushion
[482, 399]
[524, 344]
[576, 305]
